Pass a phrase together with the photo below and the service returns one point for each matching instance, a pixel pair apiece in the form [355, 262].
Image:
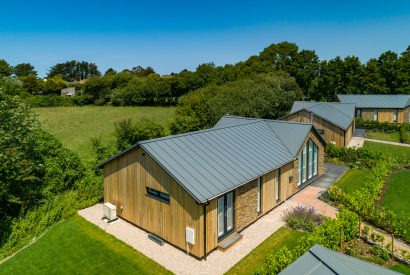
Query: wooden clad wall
[404, 115]
[125, 182]
[349, 133]
[331, 131]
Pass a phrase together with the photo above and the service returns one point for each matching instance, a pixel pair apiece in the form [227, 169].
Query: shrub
[275, 263]
[380, 251]
[128, 132]
[302, 218]
[405, 134]
[49, 101]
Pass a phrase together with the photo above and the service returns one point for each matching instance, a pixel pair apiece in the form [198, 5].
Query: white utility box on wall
[190, 235]
[109, 211]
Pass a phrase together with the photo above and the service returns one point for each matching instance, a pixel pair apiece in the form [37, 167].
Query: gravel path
[179, 262]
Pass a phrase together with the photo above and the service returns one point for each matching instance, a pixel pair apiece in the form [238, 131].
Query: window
[300, 170]
[321, 131]
[225, 215]
[310, 154]
[304, 164]
[308, 162]
[395, 115]
[158, 195]
[375, 114]
[258, 207]
[315, 158]
[358, 113]
[277, 185]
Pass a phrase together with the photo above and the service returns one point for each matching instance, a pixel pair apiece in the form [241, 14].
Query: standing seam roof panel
[199, 167]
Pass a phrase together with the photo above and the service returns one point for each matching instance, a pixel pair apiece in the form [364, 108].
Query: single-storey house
[319, 260]
[198, 190]
[383, 108]
[333, 120]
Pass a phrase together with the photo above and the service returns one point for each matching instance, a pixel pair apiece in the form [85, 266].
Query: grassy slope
[392, 150]
[255, 259]
[394, 136]
[401, 268]
[351, 180]
[74, 126]
[75, 246]
[396, 196]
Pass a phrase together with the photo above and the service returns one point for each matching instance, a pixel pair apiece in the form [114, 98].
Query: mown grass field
[380, 135]
[256, 258]
[392, 150]
[75, 126]
[75, 246]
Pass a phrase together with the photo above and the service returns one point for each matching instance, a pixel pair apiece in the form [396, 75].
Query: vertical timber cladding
[331, 131]
[404, 115]
[125, 182]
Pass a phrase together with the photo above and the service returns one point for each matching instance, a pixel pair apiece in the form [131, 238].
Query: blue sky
[173, 35]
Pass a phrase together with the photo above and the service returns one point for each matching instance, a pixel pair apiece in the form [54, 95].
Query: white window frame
[375, 114]
[395, 112]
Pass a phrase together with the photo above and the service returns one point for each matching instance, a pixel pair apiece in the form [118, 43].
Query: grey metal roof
[322, 261]
[340, 114]
[211, 162]
[398, 101]
[292, 134]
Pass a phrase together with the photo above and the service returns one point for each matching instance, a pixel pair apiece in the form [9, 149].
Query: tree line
[319, 79]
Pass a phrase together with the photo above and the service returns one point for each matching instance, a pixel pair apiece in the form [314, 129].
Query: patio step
[230, 241]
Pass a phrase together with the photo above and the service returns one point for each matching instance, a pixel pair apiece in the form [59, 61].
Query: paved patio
[357, 140]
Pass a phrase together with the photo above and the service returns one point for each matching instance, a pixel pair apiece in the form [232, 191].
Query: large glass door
[225, 215]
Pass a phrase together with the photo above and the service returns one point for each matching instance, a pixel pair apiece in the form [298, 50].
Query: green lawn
[75, 126]
[392, 150]
[351, 180]
[75, 246]
[381, 135]
[256, 258]
[401, 268]
[396, 196]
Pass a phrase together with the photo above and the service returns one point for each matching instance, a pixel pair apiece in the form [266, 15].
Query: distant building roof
[322, 261]
[211, 162]
[340, 114]
[376, 101]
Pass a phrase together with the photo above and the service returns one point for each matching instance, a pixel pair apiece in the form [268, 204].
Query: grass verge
[351, 180]
[381, 135]
[396, 151]
[256, 258]
[75, 246]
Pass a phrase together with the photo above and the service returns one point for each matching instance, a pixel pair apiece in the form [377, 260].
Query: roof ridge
[343, 113]
[266, 119]
[283, 143]
[195, 132]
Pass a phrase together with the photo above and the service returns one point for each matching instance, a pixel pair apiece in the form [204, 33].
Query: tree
[24, 69]
[32, 84]
[128, 132]
[5, 68]
[110, 71]
[387, 62]
[53, 85]
[72, 71]
[264, 96]
[140, 71]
